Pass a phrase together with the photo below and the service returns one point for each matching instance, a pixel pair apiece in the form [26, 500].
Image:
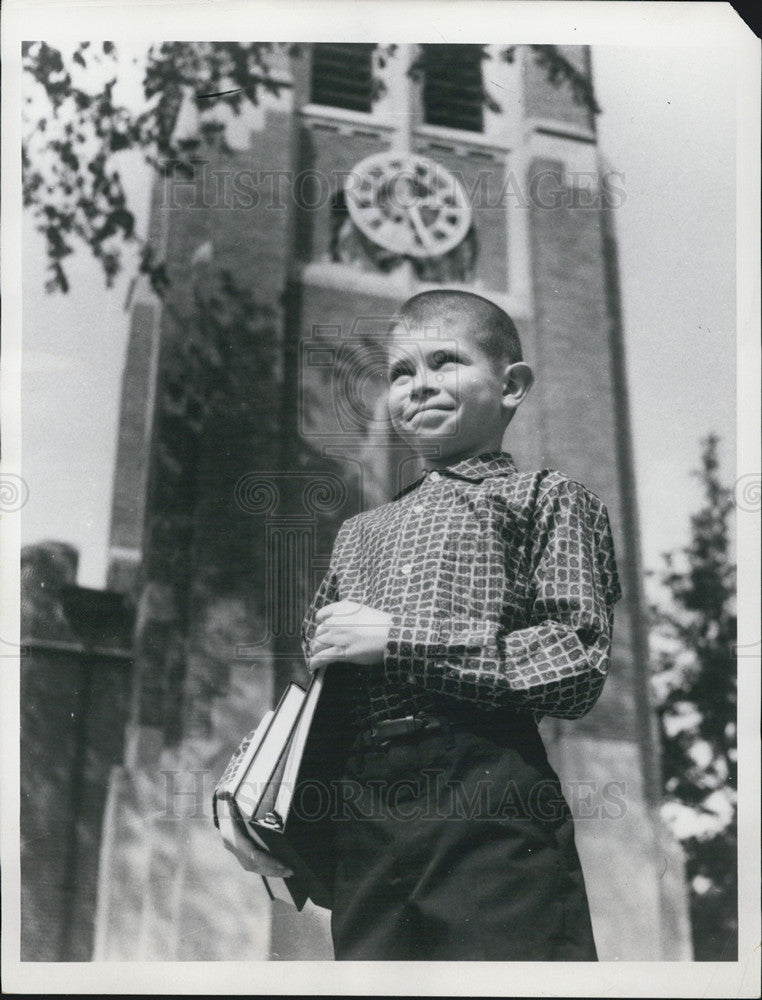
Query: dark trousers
[458, 845]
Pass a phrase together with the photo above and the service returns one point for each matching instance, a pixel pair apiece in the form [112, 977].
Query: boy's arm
[557, 664]
[328, 589]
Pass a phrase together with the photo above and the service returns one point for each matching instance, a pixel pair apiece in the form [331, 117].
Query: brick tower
[253, 423]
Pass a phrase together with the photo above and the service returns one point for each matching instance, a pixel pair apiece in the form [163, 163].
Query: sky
[668, 124]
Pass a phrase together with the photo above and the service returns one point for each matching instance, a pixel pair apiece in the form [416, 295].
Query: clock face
[408, 204]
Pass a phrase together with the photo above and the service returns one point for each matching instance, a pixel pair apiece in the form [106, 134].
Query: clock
[408, 204]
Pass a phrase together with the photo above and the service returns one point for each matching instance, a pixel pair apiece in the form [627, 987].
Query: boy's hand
[252, 859]
[349, 631]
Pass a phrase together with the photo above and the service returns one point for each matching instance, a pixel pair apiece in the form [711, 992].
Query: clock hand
[422, 232]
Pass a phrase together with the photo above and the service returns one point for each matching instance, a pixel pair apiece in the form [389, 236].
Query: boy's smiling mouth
[422, 409]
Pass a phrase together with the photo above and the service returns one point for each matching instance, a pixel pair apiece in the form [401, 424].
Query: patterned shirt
[500, 586]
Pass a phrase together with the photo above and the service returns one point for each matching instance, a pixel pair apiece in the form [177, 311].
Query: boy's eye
[399, 370]
[445, 357]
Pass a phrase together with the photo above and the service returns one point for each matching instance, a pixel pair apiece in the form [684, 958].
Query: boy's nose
[420, 385]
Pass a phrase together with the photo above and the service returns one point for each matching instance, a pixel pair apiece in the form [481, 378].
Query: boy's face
[444, 390]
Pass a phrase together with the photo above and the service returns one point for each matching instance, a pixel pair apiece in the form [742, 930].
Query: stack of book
[282, 762]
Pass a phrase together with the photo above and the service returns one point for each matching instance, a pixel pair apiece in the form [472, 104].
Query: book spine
[256, 798]
[282, 804]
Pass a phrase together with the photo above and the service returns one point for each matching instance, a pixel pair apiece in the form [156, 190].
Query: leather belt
[388, 730]
[505, 724]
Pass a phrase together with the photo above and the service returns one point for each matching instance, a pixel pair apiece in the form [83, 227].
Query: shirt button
[418, 508]
[434, 476]
[407, 567]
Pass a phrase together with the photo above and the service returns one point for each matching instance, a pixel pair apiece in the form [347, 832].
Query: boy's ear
[517, 381]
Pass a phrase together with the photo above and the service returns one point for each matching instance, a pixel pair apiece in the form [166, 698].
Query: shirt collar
[475, 470]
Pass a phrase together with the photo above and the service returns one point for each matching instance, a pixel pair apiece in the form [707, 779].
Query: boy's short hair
[493, 329]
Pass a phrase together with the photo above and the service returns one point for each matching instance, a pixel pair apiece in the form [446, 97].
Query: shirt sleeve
[557, 664]
[328, 589]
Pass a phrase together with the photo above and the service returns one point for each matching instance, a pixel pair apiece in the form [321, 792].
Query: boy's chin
[446, 447]
[425, 435]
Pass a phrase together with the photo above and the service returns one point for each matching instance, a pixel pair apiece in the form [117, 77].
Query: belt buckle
[395, 727]
[398, 728]
[374, 741]
[407, 726]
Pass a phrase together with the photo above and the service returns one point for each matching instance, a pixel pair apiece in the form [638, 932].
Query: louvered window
[342, 75]
[452, 86]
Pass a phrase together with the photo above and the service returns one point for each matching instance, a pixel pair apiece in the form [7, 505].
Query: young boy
[476, 601]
